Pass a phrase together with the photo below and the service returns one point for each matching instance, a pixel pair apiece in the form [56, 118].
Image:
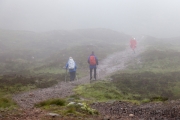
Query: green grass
[101, 91]
[155, 78]
[104, 91]
[134, 87]
[154, 74]
[155, 60]
[6, 102]
[62, 107]
[58, 102]
[45, 73]
[147, 84]
[12, 84]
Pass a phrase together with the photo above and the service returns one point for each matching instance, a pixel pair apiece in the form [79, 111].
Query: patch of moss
[158, 98]
[100, 91]
[6, 103]
[58, 102]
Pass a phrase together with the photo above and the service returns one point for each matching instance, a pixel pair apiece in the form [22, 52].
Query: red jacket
[133, 43]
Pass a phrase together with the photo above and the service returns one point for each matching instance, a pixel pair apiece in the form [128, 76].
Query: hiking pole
[65, 75]
[76, 77]
[97, 73]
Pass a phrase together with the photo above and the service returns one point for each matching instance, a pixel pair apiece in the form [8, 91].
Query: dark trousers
[72, 75]
[91, 69]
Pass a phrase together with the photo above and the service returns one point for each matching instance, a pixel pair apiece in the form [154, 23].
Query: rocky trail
[112, 63]
[112, 110]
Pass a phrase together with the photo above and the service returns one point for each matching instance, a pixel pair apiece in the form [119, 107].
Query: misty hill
[152, 40]
[25, 47]
[41, 45]
[105, 35]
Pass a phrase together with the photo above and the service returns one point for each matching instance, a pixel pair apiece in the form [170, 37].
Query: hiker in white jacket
[71, 65]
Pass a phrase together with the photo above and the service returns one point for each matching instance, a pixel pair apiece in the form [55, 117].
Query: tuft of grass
[70, 110]
[148, 84]
[101, 91]
[6, 103]
[156, 60]
[58, 102]
[136, 86]
[60, 106]
[158, 98]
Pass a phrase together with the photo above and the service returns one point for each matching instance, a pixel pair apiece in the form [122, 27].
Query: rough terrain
[112, 63]
[113, 110]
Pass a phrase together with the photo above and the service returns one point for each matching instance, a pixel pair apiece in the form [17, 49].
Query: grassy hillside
[30, 60]
[161, 55]
[23, 50]
[136, 87]
[80, 54]
[53, 41]
[152, 76]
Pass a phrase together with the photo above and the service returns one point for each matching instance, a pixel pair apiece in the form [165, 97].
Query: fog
[158, 18]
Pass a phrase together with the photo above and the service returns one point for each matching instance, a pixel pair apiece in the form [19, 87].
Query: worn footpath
[112, 63]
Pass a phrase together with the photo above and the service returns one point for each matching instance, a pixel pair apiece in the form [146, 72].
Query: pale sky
[158, 18]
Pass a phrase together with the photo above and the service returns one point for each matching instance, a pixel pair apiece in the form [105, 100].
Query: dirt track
[109, 65]
[113, 110]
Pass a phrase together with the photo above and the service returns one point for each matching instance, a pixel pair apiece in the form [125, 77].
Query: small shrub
[159, 98]
[71, 109]
[5, 102]
[46, 84]
[145, 100]
[100, 91]
[58, 102]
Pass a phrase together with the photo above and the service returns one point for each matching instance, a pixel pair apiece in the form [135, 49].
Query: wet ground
[113, 110]
[112, 63]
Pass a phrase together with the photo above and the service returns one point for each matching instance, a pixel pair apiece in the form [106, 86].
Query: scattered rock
[80, 104]
[106, 117]
[71, 103]
[38, 111]
[53, 114]
[131, 115]
[22, 99]
[31, 95]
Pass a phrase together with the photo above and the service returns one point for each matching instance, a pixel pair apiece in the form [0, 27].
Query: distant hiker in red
[93, 62]
[133, 44]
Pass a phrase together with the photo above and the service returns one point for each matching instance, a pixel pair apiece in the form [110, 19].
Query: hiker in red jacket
[133, 44]
[93, 62]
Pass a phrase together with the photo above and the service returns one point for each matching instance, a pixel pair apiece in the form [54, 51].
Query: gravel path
[112, 63]
[119, 110]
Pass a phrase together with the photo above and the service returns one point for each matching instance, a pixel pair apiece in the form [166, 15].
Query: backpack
[71, 64]
[92, 60]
